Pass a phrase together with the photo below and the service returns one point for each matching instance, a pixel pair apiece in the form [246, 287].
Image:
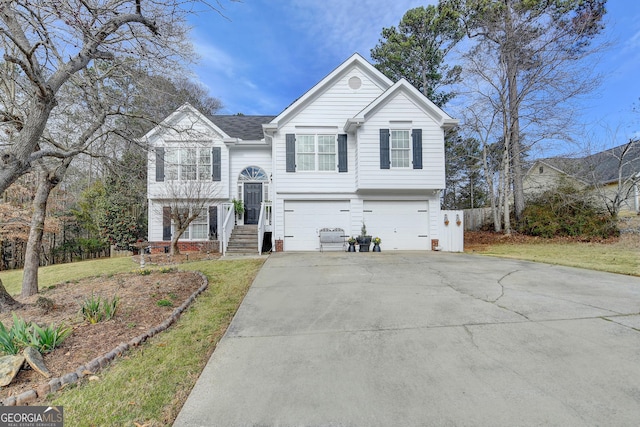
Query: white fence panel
[451, 231]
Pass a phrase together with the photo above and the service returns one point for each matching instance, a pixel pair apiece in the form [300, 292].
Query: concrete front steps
[244, 240]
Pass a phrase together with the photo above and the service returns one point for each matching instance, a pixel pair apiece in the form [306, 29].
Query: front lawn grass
[149, 384]
[620, 257]
[60, 273]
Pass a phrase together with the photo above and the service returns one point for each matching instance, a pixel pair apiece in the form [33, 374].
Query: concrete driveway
[425, 339]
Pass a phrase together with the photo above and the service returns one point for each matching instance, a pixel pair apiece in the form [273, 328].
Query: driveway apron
[424, 339]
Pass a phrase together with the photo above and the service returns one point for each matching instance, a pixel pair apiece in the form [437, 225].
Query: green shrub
[26, 334]
[95, 309]
[110, 307]
[21, 331]
[164, 303]
[8, 344]
[47, 338]
[565, 211]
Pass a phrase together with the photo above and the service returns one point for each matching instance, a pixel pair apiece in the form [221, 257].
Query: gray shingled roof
[604, 165]
[247, 128]
[601, 167]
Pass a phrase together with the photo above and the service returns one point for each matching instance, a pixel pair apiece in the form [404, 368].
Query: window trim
[408, 150]
[187, 236]
[203, 171]
[317, 154]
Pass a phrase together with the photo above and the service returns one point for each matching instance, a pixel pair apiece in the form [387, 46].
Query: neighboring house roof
[602, 167]
[247, 128]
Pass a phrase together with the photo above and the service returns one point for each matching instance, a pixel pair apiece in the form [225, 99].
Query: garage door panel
[402, 225]
[303, 219]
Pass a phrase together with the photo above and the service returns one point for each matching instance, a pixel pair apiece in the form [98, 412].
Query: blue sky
[267, 53]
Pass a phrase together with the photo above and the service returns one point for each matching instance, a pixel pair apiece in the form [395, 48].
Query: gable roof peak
[355, 60]
[402, 85]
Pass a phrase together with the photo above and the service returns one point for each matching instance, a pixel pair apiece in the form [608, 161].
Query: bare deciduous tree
[186, 201]
[72, 75]
[614, 175]
[539, 48]
[45, 44]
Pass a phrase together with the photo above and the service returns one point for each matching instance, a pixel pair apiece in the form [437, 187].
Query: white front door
[401, 225]
[303, 220]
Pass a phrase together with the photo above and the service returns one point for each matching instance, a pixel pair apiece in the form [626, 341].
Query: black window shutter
[291, 152]
[417, 148]
[159, 164]
[342, 153]
[385, 163]
[216, 164]
[213, 223]
[166, 223]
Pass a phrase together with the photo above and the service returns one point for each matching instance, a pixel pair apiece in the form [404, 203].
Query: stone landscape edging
[103, 361]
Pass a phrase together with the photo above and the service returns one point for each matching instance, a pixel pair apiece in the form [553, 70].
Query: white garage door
[303, 219]
[402, 225]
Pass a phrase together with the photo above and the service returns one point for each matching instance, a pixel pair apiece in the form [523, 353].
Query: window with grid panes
[187, 164]
[400, 149]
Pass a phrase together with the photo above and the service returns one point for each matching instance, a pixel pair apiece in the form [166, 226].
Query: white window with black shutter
[400, 148]
[316, 153]
[188, 164]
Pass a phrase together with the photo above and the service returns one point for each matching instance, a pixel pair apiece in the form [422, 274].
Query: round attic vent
[355, 83]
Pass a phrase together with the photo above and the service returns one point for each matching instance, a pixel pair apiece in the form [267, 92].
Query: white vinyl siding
[243, 157]
[339, 102]
[400, 109]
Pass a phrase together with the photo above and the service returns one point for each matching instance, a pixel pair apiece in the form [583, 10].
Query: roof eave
[352, 124]
[449, 123]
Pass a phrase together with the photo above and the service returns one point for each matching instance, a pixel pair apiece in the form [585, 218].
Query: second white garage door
[303, 219]
[402, 225]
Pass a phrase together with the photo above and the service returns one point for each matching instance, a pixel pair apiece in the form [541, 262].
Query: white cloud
[343, 27]
[215, 58]
[633, 43]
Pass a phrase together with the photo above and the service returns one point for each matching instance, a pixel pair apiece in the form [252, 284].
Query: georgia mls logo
[31, 416]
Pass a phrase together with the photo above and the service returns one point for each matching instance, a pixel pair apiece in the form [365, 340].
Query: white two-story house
[355, 149]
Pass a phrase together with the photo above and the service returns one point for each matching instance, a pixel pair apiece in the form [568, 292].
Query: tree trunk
[497, 225]
[515, 147]
[34, 244]
[48, 181]
[506, 211]
[7, 303]
[175, 249]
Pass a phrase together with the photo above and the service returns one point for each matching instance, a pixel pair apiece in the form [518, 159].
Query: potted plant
[238, 208]
[352, 244]
[376, 244]
[364, 241]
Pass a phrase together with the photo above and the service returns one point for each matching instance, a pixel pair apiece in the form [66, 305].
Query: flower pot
[364, 243]
[376, 247]
[352, 247]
